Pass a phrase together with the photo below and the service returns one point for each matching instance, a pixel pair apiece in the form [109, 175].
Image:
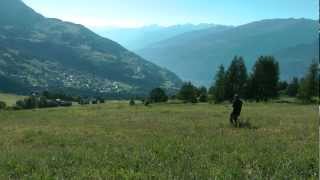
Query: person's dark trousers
[234, 119]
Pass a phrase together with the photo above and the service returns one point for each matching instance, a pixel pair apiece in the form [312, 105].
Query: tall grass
[176, 141]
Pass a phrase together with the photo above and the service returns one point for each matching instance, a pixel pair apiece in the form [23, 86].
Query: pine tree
[188, 93]
[203, 94]
[313, 79]
[293, 87]
[265, 78]
[309, 86]
[249, 88]
[236, 78]
[218, 90]
[158, 95]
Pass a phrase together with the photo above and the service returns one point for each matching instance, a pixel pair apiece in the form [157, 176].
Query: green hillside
[38, 53]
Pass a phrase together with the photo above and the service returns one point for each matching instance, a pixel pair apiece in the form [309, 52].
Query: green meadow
[164, 141]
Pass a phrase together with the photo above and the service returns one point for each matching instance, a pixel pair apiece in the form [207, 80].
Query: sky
[137, 13]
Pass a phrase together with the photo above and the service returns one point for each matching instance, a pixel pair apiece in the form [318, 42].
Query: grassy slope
[164, 141]
[10, 99]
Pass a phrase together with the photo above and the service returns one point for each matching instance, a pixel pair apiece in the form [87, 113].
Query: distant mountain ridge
[141, 37]
[198, 54]
[38, 53]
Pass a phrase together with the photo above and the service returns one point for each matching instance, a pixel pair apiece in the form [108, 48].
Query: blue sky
[135, 13]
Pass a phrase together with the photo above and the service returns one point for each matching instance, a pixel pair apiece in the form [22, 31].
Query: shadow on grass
[245, 124]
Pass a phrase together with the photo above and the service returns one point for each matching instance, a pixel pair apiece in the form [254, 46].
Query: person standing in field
[237, 106]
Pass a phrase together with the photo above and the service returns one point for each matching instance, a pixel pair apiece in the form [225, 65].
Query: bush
[31, 102]
[84, 102]
[65, 103]
[43, 102]
[188, 93]
[146, 102]
[20, 104]
[40, 102]
[158, 95]
[95, 101]
[51, 104]
[203, 98]
[3, 105]
[101, 100]
[132, 102]
[293, 88]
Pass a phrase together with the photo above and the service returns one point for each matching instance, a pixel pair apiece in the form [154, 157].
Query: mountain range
[195, 56]
[142, 37]
[39, 53]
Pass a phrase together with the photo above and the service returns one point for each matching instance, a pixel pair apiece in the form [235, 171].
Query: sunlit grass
[10, 99]
[173, 141]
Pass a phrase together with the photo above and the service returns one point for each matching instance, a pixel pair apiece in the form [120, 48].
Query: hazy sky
[133, 13]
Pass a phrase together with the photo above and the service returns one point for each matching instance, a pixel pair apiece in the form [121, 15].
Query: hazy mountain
[41, 53]
[138, 38]
[196, 55]
[296, 60]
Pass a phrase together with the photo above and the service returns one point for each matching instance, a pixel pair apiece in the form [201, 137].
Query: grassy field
[10, 99]
[116, 141]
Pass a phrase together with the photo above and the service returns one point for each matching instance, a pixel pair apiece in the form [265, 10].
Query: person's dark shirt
[237, 106]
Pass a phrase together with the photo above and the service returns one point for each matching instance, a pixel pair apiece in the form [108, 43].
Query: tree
[303, 91]
[188, 93]
[218, 90]
[282, 86]
[43, 102]
[132, 102]
[293, 87]
[249, 88]
[158, 95]
[309, 86]
[313, 79]
[203, 97]
[31, 102]
[101, 100]
[265, 78]
[236, 78]
[3, 105]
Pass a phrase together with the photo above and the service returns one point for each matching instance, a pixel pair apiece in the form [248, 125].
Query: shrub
[65, 103]
[203, 98]
[132, 102]
[3, 105]
[95, 101]
[31, 102]
[146, 102]
[188, 93]
[84, 102]
[158, 95]
[40, 102]
[101, 100]
[20, 104]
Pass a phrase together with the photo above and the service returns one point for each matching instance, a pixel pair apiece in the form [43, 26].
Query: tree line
[261, 84]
